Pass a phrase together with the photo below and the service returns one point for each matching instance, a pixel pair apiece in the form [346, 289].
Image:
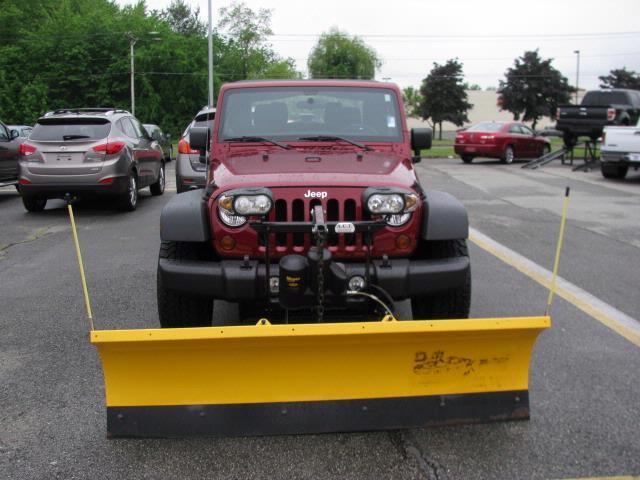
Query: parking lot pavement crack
[39, 233]
[406, 445]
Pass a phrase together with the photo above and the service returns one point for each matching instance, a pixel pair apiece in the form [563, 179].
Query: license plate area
[64, 158]
[634, 157]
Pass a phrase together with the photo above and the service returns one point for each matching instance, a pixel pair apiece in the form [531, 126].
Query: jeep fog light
[252, 204]
[379, 203]
[398, 220]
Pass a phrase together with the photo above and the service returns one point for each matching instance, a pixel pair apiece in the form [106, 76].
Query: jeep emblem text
[311, 194]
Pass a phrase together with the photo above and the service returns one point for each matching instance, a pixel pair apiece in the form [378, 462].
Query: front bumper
[240, 280]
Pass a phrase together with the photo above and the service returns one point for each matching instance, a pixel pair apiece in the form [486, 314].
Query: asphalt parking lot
[584, 376]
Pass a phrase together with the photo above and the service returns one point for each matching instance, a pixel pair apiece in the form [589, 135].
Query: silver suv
[190, 171]
[87, 151]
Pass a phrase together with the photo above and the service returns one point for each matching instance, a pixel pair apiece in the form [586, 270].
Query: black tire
[509, 155]
[34, 204]
[613, 171]
[545, 150]
[128, 201]
[175, 309]
[158, 187]
[467, 158]
[449, 304]
[569, 140]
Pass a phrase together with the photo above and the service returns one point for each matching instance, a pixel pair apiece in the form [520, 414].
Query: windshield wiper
[333, 138]
[247, 138]
[74, 137]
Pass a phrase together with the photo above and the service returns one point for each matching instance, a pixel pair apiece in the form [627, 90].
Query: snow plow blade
[311, 378]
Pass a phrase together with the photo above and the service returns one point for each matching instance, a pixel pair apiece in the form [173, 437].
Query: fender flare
[184, 218]
[444, 218]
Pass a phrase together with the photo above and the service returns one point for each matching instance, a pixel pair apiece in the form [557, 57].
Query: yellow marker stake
[556, 262]
[85, 291]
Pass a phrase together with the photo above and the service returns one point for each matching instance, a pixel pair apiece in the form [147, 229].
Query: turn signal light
[228, 242]
[25, 149]
[403, 242]
[109, 148]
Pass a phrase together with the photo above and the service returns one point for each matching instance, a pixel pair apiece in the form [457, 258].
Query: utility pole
[577, 52]
[210, 59]
[132, 42]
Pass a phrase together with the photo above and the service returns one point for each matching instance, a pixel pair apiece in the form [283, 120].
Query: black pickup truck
[599, 108]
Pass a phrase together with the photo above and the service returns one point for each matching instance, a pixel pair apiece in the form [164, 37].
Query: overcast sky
[486, 35]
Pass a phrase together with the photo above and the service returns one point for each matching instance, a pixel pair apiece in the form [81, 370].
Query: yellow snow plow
[266, 379]
[283, 379]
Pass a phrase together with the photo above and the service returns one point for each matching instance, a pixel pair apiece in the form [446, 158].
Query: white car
[620, 150]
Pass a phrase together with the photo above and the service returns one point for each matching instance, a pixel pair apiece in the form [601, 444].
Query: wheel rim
[133, 191]
[509, 155]
[161, 179]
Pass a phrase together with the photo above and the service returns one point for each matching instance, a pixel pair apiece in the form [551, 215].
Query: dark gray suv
[88, 151]
[191, 172]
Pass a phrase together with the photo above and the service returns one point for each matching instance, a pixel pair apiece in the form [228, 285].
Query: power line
[468, 37]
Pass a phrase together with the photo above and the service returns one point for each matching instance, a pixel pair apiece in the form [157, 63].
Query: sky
[486, 35]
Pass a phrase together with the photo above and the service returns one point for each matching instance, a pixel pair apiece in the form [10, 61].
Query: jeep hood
[295, 168]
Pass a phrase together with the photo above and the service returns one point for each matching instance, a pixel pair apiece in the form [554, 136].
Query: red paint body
[340, 169]
[492, 144]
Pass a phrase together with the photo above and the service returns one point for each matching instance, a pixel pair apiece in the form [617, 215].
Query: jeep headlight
[252, 204]
[392, 203]
[383, 203]
[234, 207]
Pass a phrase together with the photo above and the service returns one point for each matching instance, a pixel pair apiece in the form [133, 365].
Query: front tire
[467, 158]
[34, 204]
[509, 155]
[158, 187]
[613, 171]
[176, 309]
[449, 304]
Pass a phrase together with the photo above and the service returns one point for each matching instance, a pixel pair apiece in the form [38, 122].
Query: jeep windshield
[308, 114]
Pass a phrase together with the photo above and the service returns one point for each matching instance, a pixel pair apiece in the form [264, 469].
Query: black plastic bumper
[237, 280]
[119, 186]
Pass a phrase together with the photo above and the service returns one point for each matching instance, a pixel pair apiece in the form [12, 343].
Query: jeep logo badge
[311, 194]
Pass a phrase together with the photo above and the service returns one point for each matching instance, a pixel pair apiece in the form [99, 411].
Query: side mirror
[13, 134]
[420, 140]
[199, 138]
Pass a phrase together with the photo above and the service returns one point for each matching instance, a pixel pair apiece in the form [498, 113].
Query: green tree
[621, 78]
[182, 19]
[444, 95]
[412, 100]
[337, 55]
[533, 88]
[248, 53]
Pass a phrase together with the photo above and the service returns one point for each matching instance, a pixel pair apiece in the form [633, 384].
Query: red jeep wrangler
[312, 211]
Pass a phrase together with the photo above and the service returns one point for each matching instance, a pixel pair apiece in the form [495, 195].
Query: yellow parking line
[616, 320]
[605, 478]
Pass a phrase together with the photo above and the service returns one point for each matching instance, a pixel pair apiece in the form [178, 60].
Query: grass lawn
[444, 149]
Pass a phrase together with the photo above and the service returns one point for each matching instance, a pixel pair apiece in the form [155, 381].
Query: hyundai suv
[89, 151]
